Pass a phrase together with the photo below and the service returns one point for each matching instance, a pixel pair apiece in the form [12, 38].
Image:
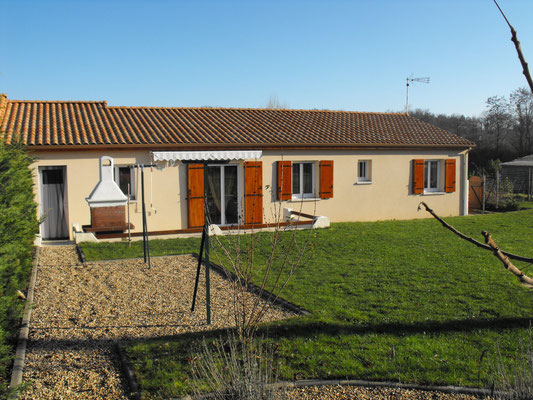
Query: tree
[522, 102]
[498, 120]
[274, 103]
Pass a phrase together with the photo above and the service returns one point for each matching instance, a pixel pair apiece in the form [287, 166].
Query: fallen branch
[505, 260]
[471, 240]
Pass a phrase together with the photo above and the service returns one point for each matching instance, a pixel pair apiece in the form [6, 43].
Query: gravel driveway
[79, 311]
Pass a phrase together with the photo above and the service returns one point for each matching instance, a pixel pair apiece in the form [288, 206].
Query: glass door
[53, 203]
[222, 194]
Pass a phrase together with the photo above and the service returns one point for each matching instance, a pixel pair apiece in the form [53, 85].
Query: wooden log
[469, 239]
[505, 260]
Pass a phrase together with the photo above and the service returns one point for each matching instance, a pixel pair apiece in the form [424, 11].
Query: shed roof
[526, 161]
[86, 124]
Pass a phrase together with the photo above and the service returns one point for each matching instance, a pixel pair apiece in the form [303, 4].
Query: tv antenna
[407, 80]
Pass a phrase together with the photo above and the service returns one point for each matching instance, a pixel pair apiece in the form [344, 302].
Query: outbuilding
[520, 173]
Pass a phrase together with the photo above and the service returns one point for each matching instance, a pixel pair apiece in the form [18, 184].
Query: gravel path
[79, 311]
[339, 392]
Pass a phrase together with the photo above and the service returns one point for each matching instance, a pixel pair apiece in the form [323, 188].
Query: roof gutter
[246, 146]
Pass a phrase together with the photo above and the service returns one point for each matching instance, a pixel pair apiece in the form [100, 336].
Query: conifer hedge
[18, 226]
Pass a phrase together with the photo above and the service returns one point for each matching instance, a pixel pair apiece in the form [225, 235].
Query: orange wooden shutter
[195, 194]
[450, 176]
[284, 180]
[326, 179]
[418, 176]
[253, 192]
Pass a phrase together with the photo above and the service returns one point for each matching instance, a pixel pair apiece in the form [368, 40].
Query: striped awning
[206, 155]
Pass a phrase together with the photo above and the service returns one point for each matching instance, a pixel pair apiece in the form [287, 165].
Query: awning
[206, 155]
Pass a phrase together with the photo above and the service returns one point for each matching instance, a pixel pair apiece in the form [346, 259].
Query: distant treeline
[504, 131]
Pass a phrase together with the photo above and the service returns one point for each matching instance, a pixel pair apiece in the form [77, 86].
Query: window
[364, 173]
[303, 180]
[123, 177]
[432, 176]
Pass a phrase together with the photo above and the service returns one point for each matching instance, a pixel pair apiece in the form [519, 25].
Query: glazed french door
[223, 194]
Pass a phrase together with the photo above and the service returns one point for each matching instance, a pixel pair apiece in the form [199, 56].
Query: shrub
[229, 369]
[18, 224]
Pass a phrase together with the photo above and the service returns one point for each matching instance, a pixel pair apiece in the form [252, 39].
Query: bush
[507, 205]
[229, 369]
[18, 224]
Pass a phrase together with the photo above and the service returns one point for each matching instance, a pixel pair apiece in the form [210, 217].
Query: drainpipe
[465, 184]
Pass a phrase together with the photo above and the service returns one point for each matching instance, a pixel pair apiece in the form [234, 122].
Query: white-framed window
[364, 171]
[432, 176]
[303, 180]
[125, 175]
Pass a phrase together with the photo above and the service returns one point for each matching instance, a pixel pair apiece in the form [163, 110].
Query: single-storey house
[348, 166]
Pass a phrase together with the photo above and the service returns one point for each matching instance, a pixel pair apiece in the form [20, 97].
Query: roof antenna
[407, 80]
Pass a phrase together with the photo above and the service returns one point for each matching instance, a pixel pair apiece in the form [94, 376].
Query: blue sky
[349, 55]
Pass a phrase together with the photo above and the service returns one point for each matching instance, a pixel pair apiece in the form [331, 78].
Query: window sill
[433, 193]
[299, 200]
[364, 183]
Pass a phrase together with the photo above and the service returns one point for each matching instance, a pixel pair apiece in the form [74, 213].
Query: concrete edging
[264, 294]
[128, 370]
[81, 255]
[20, 354]
[480, 393]
[134, 386]
[397, 385]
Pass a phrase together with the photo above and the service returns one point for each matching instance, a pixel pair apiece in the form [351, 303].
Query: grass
[394, 300]
[158, 247]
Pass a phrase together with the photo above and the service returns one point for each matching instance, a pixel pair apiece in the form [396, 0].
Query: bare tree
[274, 103]
[498, 120]
[522, 102]
[269, 258]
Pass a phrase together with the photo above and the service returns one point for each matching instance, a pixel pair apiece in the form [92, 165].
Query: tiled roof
[88, 124]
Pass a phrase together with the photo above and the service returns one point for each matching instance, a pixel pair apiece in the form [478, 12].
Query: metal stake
[129, 225]
[198, 270]
[206, 231]
[146, 245]
[204, 248]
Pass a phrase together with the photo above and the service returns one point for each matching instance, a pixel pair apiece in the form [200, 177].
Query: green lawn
[395, 300]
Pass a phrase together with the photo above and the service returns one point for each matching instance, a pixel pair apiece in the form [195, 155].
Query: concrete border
[480, 393]
[128, 371]
[264, 294]
[20, 355]
[395, 385]
[81, 255]
[134, 386]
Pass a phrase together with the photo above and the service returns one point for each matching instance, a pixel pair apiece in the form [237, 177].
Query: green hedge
[18, 226]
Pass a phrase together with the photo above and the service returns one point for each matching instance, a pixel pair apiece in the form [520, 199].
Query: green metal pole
[207, 280]
[206, 231]
[198, 270]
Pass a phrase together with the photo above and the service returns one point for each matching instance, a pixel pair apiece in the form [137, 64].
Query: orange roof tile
[89, 123]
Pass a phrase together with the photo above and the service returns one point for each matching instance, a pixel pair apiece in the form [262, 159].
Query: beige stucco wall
[387, 197]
